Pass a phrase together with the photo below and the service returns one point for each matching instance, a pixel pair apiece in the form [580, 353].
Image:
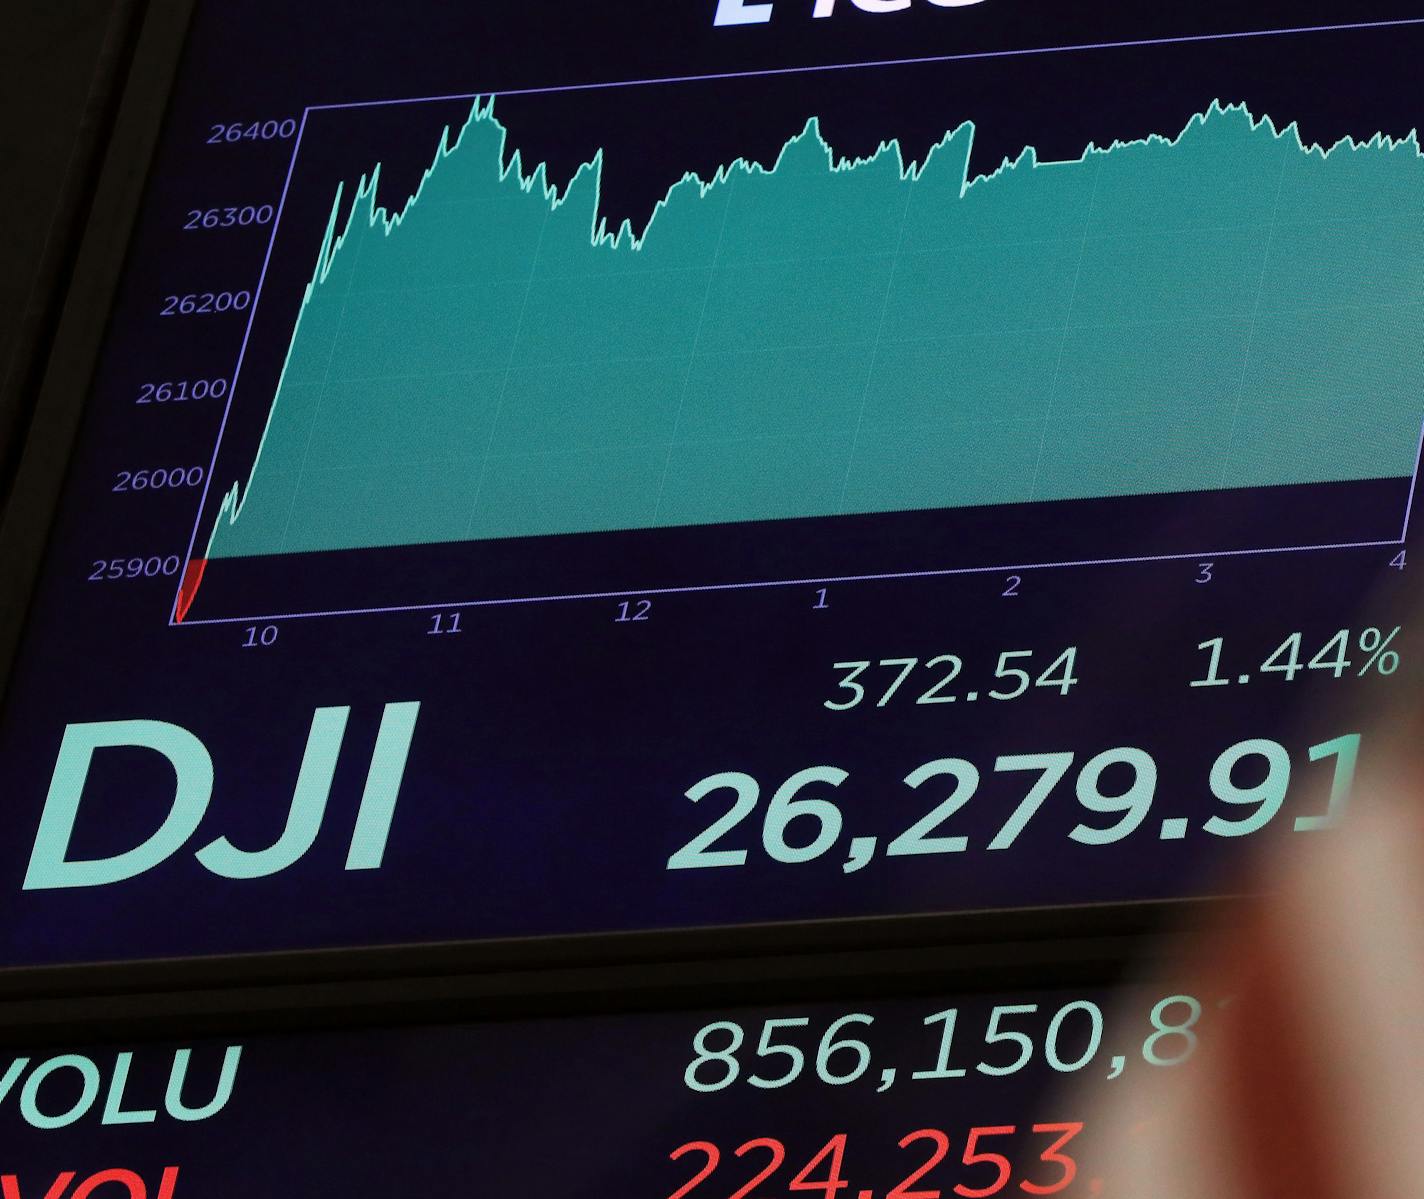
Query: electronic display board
[972, 1096]
[581, 467]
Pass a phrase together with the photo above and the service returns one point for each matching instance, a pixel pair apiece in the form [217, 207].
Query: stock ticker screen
[575, 467]
[972, 1096]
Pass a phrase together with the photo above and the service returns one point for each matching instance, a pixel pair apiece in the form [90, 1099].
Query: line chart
[1223, 306]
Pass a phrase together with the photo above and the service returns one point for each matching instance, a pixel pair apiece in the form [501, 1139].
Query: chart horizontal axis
[767, 584]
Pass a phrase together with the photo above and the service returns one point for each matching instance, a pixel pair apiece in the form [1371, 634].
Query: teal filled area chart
[1225, 308]
[818, 333]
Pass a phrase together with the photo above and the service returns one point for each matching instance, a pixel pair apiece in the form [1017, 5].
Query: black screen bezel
[436, 980]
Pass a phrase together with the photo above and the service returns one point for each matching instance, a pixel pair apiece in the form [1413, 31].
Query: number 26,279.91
[1118, 782]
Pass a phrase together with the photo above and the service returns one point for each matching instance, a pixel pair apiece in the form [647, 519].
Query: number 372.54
[1016, 672]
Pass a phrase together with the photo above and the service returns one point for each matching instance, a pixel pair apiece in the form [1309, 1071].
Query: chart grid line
[1413, 487]
[924, 60]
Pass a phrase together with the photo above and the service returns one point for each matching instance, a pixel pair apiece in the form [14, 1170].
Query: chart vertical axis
[187, 592]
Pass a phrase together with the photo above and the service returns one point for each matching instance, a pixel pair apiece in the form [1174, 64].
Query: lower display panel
[970, 1094]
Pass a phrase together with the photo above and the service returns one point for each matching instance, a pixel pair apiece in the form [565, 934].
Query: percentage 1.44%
[1367, 652]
